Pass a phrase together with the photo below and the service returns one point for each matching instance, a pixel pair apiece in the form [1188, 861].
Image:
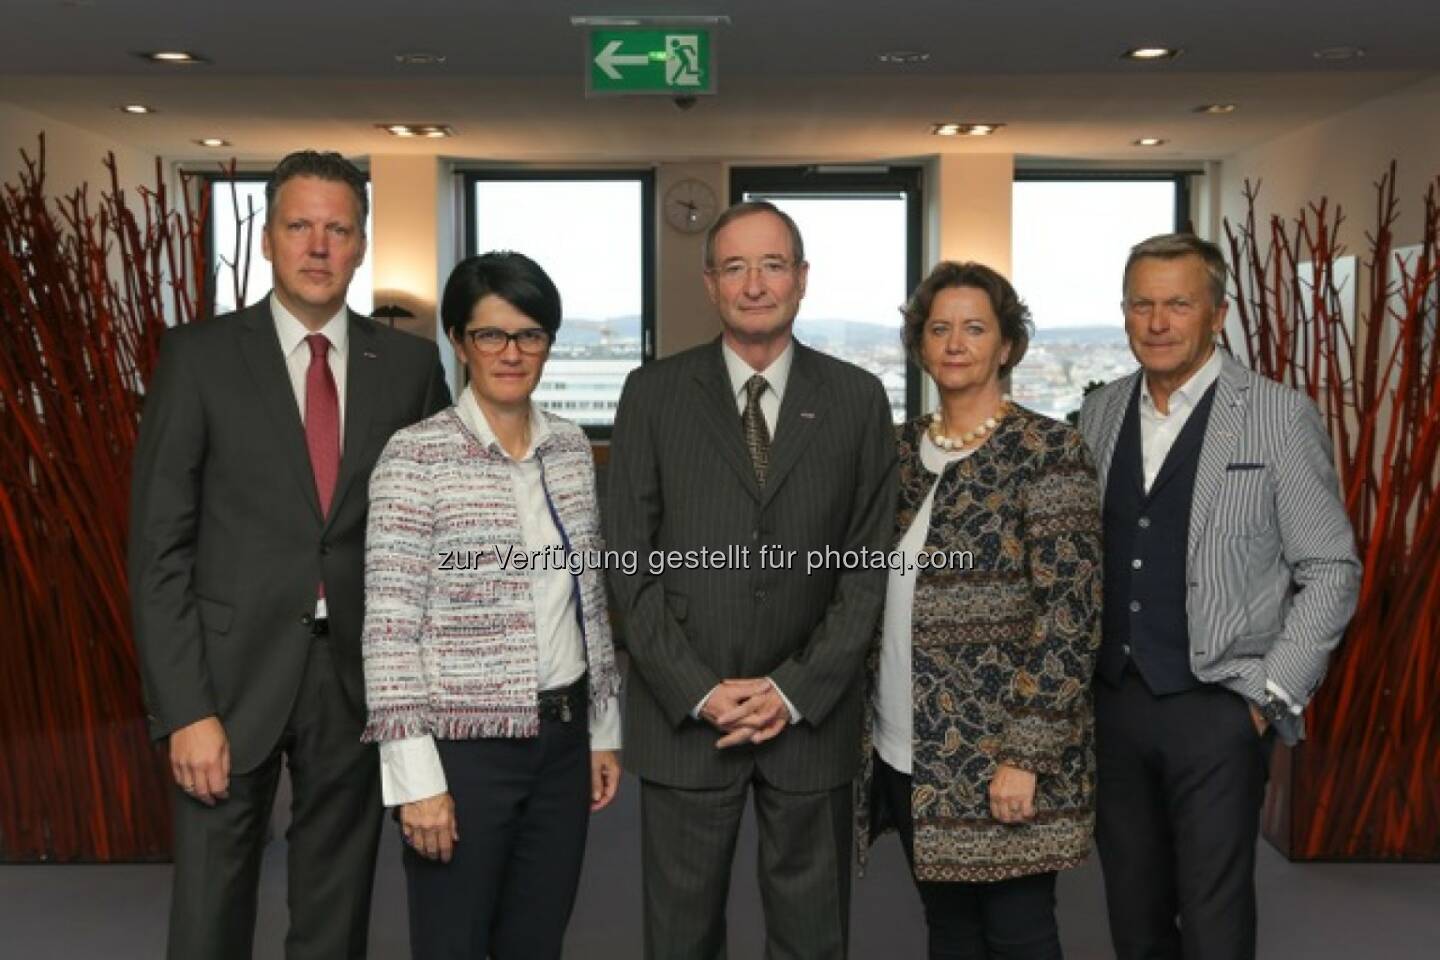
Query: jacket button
[324, 549]
[759, 596]
[306, 619]
[1134, 606]
[1144, 523]
[1137, 563]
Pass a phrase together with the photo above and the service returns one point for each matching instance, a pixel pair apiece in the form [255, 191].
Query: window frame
[208, 180]
[469, 177]
[811, 180]
[1183, 222]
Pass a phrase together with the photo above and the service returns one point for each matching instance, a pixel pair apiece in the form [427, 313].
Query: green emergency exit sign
[674, 63]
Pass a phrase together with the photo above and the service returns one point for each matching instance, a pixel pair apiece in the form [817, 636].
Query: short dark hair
[513, 277]
[1172, 246]
[323, 166]
[748, 209]
[1010, 310]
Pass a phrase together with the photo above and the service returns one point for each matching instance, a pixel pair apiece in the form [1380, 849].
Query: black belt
[565, 704]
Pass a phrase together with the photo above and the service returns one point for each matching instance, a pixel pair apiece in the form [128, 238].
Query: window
[862, 238]
[1071, 236]
[238, 216]
[593, 233]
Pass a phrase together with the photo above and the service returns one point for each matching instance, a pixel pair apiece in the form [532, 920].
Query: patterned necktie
[322, 420]
[757, 435]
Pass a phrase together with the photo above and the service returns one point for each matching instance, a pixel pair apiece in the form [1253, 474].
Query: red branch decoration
[86, 290]
[1366, 785]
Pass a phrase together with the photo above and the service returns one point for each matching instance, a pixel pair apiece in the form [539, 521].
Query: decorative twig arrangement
[86, 289]
[1366, 785]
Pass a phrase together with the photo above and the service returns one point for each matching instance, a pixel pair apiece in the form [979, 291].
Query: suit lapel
[797, 422]
[260, 347]
[363, 383]
[1227, 418]
[719, 417]
[1112, 417]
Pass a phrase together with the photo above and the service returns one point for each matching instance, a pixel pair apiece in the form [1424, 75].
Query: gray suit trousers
[688, 844]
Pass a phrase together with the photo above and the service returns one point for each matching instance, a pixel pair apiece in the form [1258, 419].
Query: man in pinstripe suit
[1230, 574]
[745, 677]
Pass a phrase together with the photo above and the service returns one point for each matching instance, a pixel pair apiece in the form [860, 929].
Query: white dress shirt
[776, 375]
[1158, 432]
[296, 352]
[410, 768]
[894, 692]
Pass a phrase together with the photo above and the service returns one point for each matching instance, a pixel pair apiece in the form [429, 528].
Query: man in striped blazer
[745, 661]
[1230, 574]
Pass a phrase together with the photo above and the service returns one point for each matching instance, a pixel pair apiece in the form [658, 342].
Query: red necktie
[322, 420]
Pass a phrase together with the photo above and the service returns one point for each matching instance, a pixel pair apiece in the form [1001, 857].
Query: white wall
[1342, 158]
[72, 156]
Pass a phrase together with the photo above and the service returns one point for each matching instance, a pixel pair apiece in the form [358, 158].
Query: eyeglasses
[738, 271]
[1179, 307]
[492, 340]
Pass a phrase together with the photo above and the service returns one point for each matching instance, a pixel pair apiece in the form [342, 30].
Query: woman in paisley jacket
[978, 743]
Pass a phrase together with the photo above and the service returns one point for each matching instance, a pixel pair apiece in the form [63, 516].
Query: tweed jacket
[1002, 652]
[449, 639]
[1271, 566]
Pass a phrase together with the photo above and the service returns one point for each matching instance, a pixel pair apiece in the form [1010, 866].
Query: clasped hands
[745, 711]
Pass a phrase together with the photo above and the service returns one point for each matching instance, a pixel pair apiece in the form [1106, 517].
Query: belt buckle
[565, 716]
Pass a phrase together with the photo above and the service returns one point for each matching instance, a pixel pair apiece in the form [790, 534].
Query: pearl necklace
[980, 432]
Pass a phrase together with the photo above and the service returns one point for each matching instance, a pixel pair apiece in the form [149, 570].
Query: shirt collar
[292, 332]
[1189, 393]
[468, 409]
[776, 375]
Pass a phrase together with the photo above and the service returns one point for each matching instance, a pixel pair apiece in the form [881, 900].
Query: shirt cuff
[703, 700]
[795, 716]
[410, 770]
[1272, 687]
[605, 726]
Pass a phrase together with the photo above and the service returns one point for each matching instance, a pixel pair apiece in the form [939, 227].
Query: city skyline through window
[1070, 241]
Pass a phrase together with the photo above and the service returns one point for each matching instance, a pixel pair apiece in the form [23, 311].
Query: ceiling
[797, 78]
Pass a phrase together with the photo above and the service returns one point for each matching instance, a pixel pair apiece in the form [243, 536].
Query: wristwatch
[1273, 709]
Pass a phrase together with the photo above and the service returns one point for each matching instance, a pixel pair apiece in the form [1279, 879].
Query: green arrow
[609, 58]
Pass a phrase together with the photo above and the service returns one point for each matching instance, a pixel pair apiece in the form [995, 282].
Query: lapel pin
[371, 355]
[807, 415]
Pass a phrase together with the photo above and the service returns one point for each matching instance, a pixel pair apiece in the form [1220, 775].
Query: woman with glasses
[489, 671]
[979, 730]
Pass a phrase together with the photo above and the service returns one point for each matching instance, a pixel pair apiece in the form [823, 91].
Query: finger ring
[188, 787]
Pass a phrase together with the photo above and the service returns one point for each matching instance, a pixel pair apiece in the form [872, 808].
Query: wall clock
[690, 206]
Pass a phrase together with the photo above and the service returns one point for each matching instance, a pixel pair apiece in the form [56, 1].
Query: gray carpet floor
[1317, 911]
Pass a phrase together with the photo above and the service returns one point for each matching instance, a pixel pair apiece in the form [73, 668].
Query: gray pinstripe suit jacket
[1271, 565]
[680, 479]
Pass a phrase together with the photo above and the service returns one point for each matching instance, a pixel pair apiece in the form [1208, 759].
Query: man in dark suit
[1230, 574]
[246, 553]
[745, 667]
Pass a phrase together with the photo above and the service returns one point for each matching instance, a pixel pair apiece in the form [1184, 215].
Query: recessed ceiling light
[965, 129]
[432, 130]
[420, 59]
[1339, 53]
[1149, 142]
[212, 142]
[1215, 109]
[136, 108]
[1151, 53]
[180, 57]
[903, 57]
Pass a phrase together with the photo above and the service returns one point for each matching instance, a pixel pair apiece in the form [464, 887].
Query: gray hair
[746, 209]
[1172, 246]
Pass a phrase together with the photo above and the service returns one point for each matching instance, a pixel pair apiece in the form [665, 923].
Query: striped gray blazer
[1271, 564]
